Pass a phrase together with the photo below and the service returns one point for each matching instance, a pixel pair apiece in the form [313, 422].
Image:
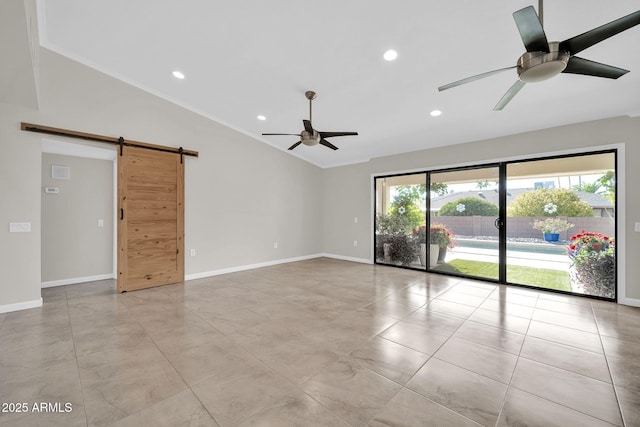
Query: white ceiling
[250, 57]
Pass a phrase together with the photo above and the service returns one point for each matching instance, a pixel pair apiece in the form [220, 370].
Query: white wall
[74, 247]
[241, 195]
[348, 189]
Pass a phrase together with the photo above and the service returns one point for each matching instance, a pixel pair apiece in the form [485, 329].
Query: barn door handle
[121, 214]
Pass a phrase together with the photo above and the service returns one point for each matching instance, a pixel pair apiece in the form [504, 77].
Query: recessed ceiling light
[435, 113]
[261, 117]
[390, 55]
[178, 75]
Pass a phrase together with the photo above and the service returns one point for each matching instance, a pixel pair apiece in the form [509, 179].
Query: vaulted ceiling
[247, 58]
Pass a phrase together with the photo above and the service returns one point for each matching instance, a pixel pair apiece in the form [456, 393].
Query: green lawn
[549, 279]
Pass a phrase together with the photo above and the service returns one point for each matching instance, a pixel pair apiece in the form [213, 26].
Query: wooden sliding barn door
[151, 218]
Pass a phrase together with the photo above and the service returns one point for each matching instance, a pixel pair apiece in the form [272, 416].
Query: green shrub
[532, 203]
[469, 206]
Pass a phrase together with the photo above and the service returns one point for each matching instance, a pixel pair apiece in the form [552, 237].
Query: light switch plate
[638, 227]
[19, 227]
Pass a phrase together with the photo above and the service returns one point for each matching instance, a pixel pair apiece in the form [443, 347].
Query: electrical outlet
[355, 219]
[101, 223]
[355, 243]
[275, 245]
[192, 252]
[637, 226]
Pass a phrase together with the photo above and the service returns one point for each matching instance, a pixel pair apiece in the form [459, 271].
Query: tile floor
[322, 343]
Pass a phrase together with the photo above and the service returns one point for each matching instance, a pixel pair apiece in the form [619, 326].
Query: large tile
[211, 360]
[472, 395]
[462, 297]
[391, 308]
[495, 364]
[510, 308]
[408, 298]
[489, 336]
[524, 409]
[298, 360]
[624, 362]
[572, 359]
[15, 360]
[566, 308]
[391, 360]
[56, 383]
[183, 338]
[411, 409]
[450, 308]
[410, 335]
[234, 320]
[350, 391]
[515, 295]
[122, 335]
[302, 412]
[566, 336]
[584, 394]
[434, 320]
[117, 383]
[501, 320]
[583, 323]
[241, 398]
[630, 404]
[618, 321]
[181, 409]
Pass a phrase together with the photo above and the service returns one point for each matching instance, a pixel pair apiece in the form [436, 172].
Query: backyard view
[559, 223]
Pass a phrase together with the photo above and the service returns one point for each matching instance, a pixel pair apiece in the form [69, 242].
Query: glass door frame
[501, 221]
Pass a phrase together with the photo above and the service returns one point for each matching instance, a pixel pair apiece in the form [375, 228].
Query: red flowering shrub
[593, 255]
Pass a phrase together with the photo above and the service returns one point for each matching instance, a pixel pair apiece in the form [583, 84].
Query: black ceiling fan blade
[271, 134]
[513, 90]
[307, 126]
[577, 65]
[474, 78]
[327, 144]
[330, 134]
[530, 29]
[294, 145]
[581, 42]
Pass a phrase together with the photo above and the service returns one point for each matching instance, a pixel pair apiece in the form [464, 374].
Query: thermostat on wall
[51, 190]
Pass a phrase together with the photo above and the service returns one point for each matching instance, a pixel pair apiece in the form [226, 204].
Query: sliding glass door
[401, 220]
[464, 222]
[547, 223]
[561, 224]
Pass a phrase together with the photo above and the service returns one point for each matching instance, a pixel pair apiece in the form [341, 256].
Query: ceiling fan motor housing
[310, 139]
[539, 66]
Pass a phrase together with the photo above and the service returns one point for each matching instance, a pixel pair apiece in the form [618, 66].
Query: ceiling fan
[544, 59]
[309, 136]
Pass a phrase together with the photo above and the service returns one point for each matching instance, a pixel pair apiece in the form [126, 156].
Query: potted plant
[551, 228]
[442, 237]
[593, 256]
[420, 236]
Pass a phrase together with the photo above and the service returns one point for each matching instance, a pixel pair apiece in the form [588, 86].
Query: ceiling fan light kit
[539, 66]
[309, 136]
[544, 60]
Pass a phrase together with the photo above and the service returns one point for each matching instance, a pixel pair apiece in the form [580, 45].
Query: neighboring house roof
[596, 201]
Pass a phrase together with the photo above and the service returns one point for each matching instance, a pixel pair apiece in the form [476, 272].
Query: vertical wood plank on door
[151, 232]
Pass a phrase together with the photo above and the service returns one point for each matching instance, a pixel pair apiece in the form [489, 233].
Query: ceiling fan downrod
[311, 95]
[540, 12]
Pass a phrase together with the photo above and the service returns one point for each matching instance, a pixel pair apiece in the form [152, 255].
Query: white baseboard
[7, 308]
[75, 280]
[248, 267]
[348, 258]
[634, 302]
